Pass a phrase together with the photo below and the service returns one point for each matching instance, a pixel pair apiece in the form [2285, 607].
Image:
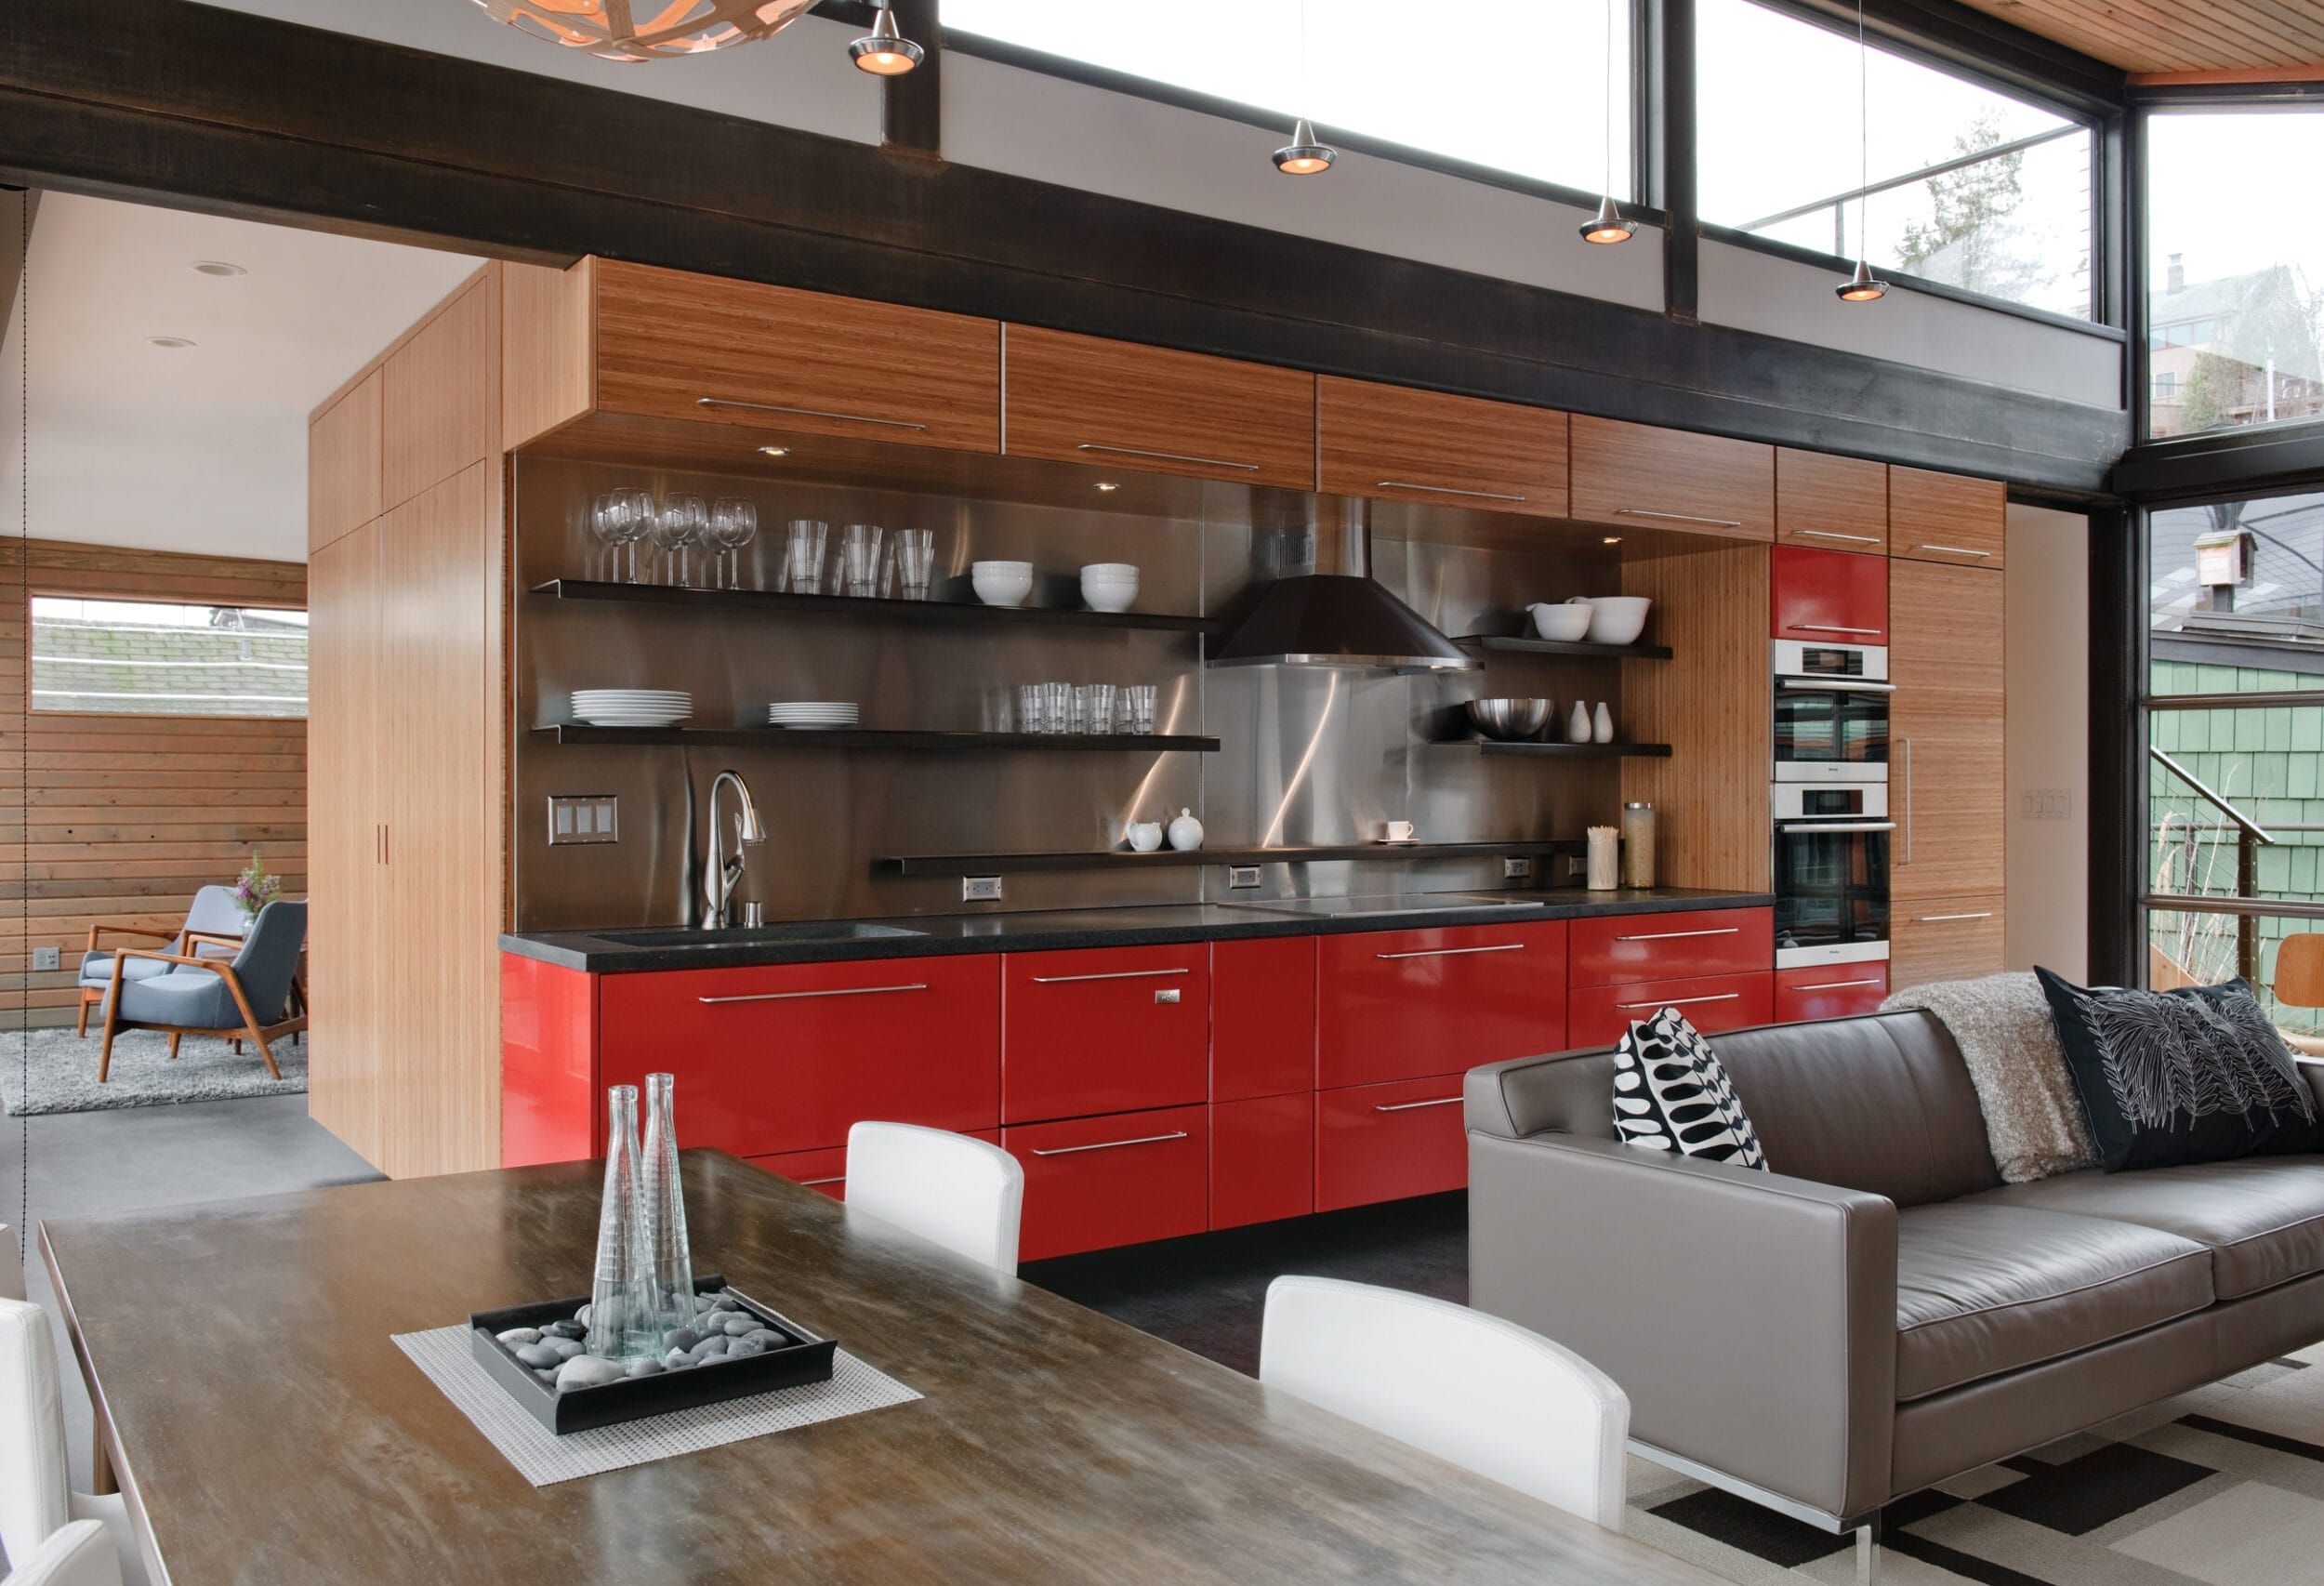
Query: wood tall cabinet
[407, 779]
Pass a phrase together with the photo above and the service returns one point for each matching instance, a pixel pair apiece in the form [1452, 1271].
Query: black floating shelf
[990, 863]
[1568, 647]
[929, 612]
[1573, 751]
[871, 738]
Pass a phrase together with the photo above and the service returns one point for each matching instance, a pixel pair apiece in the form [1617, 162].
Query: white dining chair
[963, 1194]
[37, 1504]
[11, 1266]
[78, 1553]
[1473, 1389]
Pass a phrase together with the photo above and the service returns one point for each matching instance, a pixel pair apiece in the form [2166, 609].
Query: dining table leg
[101, 1465]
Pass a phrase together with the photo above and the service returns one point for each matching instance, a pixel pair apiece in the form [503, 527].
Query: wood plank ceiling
[2178, 37]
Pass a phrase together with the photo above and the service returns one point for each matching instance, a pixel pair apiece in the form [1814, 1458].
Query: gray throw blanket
[2033, 1118]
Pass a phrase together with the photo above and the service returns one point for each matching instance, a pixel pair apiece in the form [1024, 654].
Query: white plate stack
[826, 714]
[632, 706]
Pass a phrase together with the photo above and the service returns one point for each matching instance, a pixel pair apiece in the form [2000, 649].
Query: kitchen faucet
[724, 869]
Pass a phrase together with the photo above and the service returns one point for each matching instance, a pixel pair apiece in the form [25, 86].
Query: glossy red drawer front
[547, 1063]
[1262, 1159]
[1620, 949]
[1829, 991]
[1118, 1179]
[785, 1058]
[1107, 1030]
[1713, 1003]
[1262, 1018]
[1830, 596]
[1401, 1004]
[1388, 1141]
[827, 1170]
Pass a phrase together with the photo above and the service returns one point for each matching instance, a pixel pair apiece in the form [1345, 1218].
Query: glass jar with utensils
[681, 524]
[733, 525]
[802, 556]
[859, 559]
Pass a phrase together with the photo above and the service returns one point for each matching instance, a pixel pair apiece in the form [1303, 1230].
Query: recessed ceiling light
[1108, 485]
[775, 451]
[217, 267]
[172, 342]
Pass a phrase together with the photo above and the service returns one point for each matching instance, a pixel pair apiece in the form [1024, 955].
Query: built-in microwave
[1832, 713]
[1831, 844]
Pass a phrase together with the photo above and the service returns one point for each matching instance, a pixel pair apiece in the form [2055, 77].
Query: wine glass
[733, 525]
[683, 521]
[633, 517]
[605, 529]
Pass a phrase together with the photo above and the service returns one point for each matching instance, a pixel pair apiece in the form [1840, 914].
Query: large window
[2235, 270]
[1457, 81]
[1969, 187]
[149, 659]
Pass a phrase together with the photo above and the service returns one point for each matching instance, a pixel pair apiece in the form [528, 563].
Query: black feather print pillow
[1671, 1093]
[2196, 1075]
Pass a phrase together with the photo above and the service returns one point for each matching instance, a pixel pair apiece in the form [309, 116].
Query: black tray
[805, 1358]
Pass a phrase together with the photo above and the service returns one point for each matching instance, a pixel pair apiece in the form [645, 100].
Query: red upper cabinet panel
[1406, 1004]
[1262, 1018]
[1105, 1030]
[1830, 596]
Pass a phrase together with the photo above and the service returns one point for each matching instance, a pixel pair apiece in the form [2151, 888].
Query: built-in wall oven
[1832, 713]
[1832, 845]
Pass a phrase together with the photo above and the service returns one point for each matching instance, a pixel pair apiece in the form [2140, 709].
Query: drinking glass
[1057, 708]
[683, 521]
[1096, 707]
[669, 1272]
[915, 561]
[634, 517]
[859, 554]
[1137, 706]
[802, 556]
[619, 1322]
[1029, 714]
[733, 525]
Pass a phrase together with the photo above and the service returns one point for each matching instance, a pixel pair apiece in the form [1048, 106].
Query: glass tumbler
[620, 1327]
[915, 561]
[1029, 712]
[802, 556]
[859, 558]
[1057, 708]
[662, 1207]
[1096, 707]
[1137, 706]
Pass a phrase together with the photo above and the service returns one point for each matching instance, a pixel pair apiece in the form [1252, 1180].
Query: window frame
[44, 592]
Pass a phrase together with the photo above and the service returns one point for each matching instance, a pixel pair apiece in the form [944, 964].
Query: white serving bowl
[1566, 623]
[1001, 583]
[1109, 585]
[1023, 567]
[1618, 619]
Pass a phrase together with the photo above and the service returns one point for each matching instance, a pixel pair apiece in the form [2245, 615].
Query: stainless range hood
[1344, 618]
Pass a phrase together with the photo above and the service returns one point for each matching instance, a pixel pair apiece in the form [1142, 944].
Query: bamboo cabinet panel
[343, 481]
[1945, 771]
[1449, 451]
[440, 394]
[1942, 517]
[343, 860]
[1641, 477]
[1082, 399]
[1832, 503]
[674, 345]
[1945, 939]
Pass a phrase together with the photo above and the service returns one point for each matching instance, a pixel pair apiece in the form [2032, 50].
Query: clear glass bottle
[669, 1270]
[618, 1319]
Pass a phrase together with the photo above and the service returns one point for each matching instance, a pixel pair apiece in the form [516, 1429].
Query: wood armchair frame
[90, 996]
[250, 1029]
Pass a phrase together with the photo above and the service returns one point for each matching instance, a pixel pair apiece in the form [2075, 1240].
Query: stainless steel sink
[757, 935]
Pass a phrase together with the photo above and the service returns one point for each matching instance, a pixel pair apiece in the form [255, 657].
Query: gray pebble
[709, 1348]
[548, 1377]
[739, 1324]
[567, 1348]
[564, 1329]
[587, 1371]
[681, 1338]
[677, 1360]
[743, 1348]
[705, 1302]
[538, 1355]
[766, 1338]
[515, 1336]
[726, 1303]
[646, 1368]
[581, 1318]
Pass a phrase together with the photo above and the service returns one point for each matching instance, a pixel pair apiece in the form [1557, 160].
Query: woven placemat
[543, 1458]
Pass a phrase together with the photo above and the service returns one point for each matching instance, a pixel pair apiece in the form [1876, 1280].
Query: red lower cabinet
[548, 1095]
[1829, 991]
[1107, 1030]
[827, 1170]
[1630, 949]
[1262, 1017]
[1118, 1179]
[1400, 1004]
[1601, 1014]
[1262, 1159]
[1388, 1141]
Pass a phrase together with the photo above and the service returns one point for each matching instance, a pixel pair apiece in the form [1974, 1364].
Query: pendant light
[613, 32]
[1306, 155]
[1862, 287]
[884, 52]
[1608, 226]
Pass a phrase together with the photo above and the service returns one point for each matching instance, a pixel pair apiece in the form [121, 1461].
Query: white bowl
[1111, 570]
[1001, 589]
[1023, 567]
[1618, 619]
[1106, 590]
[1566, 623]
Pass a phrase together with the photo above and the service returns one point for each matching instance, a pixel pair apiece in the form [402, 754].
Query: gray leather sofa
[1880, 1313]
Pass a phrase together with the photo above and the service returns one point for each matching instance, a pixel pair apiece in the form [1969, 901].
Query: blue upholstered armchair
[215, 913]
[246, 998]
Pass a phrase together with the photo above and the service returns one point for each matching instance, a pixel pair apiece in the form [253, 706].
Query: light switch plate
[1242, 875]
[2046, 804]
[45, 959]
[583, 817]
[979, 889]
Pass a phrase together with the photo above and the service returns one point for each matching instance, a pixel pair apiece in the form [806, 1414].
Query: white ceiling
[202, 449]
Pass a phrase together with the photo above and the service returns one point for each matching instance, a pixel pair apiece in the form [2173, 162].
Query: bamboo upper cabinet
[343, 486]
[1832, 503]
[670, 344]
[1400, 444]
[1945, 720]
[1943, 517]
[1082, 399]
[1642, 477]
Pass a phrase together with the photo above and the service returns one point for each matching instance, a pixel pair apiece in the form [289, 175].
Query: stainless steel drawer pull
[1955, 550]
[1674, 935]
[818, 1183]
[1679, 1002]
[1834, 685]
[1111, 1144]
[1454, 952]
[1446, 490]
[808, 413]
[1838, 984]
[1837, 826]
[1408, 1106]
[1165, 456]
[797, 995]
[1827, 627]
[1836, 534]
[1118, 975]
[1678, 516]
[1941, 918]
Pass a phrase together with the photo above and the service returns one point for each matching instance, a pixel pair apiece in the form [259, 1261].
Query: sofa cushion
[1671, 1094]
[2262, 1218]
[1982, 1289]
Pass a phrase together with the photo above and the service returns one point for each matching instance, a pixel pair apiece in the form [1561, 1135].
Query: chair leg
[105, 1053]
[81, 1027]
[174, 1039]
[1869, 1554]
[264, 1053]
[249, 1019]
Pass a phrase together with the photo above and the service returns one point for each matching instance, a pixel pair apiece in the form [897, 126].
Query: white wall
[2047, 683]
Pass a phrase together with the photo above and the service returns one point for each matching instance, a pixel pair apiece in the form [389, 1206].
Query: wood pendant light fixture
[613, 29]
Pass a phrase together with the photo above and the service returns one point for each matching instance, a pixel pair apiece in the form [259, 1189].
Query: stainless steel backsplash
[1307, 756]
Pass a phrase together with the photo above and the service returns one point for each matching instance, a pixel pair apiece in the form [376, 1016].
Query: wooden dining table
[265, 1428]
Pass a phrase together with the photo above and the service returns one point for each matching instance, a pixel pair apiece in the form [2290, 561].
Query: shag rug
[62, 1071]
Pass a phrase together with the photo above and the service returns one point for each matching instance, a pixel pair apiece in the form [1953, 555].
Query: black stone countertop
[942, 934]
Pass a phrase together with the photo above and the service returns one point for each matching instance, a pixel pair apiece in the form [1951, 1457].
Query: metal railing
[2250, 838]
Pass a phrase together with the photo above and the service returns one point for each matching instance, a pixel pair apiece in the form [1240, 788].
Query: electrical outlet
[1242, 875]
[1576, 865]
[1516, 869]
[45, 959]
[979, 889]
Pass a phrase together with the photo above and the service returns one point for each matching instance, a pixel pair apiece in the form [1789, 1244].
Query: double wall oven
[1830, 803]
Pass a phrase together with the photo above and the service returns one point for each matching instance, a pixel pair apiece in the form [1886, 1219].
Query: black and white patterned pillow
[1672, 1095]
